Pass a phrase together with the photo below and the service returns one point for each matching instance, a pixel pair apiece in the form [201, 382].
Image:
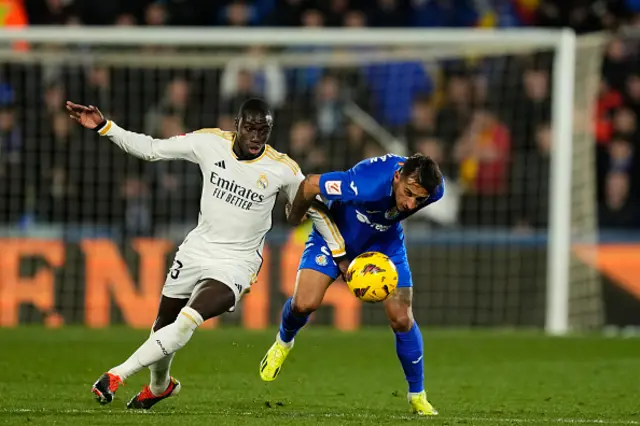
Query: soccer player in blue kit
[367, 203]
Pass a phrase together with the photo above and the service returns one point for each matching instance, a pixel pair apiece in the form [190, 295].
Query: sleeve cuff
[338, 253]
[102, 131]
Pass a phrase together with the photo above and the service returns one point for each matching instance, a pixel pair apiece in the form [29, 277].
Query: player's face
[409, 194]
[253, 132]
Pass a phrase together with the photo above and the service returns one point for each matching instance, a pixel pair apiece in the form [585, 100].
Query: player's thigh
[212, 298]
[311, 285]
[238, 275]
[398, 304]
[316, 272]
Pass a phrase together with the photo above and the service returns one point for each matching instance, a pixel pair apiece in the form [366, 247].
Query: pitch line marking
[560, 420]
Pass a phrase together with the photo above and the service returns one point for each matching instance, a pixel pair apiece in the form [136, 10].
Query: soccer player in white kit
[221, 257]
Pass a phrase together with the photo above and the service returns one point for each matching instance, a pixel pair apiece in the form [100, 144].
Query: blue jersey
[362, 204]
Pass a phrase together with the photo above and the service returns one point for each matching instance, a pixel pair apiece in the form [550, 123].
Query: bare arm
[304, 199]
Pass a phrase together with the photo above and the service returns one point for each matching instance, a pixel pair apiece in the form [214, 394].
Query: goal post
[181, 48]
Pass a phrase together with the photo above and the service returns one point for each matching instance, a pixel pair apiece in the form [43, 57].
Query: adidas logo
[220, 164]
[239, 287]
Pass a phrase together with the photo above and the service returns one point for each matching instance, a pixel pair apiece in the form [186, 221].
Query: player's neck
[243, 157]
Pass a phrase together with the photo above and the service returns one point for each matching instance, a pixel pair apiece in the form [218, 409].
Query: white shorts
[188, 271]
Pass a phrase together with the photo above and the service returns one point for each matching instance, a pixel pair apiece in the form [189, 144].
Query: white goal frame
[563, 42]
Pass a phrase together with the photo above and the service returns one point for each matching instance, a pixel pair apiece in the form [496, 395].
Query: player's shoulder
[280, 162]
[216, 134]
[377, 166]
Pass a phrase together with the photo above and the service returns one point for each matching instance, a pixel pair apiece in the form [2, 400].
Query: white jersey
[238, 196]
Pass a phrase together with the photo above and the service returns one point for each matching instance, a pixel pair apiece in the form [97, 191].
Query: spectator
[615, 68]
[530, 182]
[156, 15]
[483, 153]
[303, 79]
[176, 184]
[267, 77]
[304, 149]
[531, 109]
[354, 19]
[609, 100]
[394, 85]
[59, 174]
[625, 123]
[618, 211]
[633, 92]
[176, 99]
[423, 122]
[345, 155]
[238, 14]
[48, 12]
[456, 109]
[12, 172]
[243, 90]
[327, 108]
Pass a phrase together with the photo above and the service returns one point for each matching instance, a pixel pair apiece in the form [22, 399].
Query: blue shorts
[317, 256]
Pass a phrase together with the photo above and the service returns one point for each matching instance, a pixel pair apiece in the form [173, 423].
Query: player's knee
[212, 298]
[401, 321]
[304, 305]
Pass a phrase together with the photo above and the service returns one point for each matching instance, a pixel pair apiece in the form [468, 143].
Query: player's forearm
[136, 144]
[305, 195]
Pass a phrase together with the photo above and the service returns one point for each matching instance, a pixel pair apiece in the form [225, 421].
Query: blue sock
[409, 348]
[291, 322]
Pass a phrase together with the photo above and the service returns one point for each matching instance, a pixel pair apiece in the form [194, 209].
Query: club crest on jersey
[321, 260]
[391, 214]
[262, 182]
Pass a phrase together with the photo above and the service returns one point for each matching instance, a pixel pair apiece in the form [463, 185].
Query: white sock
[283, 343]
[161, 344]
[160, 375]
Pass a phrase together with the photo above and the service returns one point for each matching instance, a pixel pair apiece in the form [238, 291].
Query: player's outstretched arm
[136, 144]
[307, 191]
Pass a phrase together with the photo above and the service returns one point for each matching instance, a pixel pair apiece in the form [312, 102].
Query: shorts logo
[391, 214]
[321, 260]
[333, 187]
[262, 182]
[239, 287]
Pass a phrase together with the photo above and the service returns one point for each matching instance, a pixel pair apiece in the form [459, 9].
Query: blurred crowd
[487, 121]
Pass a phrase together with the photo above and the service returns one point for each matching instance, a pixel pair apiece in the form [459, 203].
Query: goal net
[88, 232]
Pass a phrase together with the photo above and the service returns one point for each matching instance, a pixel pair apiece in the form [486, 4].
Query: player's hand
[343, 265]
[88, 116]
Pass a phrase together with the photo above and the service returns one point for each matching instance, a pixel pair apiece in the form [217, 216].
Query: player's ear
[236, 123]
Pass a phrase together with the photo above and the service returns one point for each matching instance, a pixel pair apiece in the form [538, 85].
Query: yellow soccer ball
[372, 277]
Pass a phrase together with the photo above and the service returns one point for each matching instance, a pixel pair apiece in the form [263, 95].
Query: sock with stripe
[161, 344]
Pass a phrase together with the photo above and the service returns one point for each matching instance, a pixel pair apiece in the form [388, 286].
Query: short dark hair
[424, 170]
[254, 106]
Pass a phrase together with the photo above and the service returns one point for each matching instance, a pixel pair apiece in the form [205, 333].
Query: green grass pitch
[474, 378]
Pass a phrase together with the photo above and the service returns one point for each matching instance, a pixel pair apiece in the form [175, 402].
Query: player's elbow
[311, 187]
